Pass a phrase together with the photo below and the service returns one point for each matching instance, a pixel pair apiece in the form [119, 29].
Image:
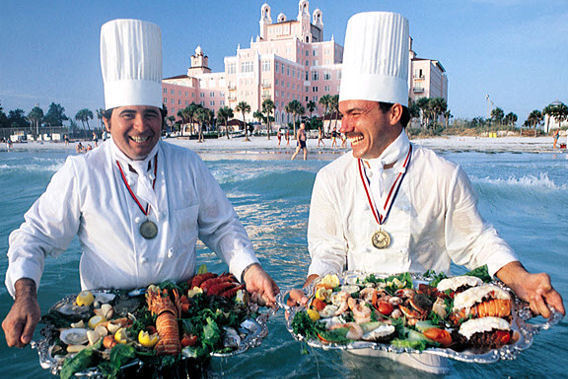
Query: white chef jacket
[87, 197]
[433, 220]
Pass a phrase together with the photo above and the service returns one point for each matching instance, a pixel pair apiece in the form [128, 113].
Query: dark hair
[108, 114]
[404, 118]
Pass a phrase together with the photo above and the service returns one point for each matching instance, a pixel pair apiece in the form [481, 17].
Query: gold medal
[149, 230]
[381, 239]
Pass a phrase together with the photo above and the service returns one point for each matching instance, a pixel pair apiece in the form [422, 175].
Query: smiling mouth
[140, 139]
[355, 139]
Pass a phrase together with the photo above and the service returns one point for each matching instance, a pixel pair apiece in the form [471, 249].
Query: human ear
[395, 114]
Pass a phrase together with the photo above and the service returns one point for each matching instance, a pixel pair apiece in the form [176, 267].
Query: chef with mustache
[137, 204]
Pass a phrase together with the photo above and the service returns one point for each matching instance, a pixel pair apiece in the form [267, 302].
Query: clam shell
[74, 336]
[232, 338]
[104, 297]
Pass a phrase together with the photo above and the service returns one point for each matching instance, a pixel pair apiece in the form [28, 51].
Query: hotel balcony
[232, 98]
[266, 85]
[232, 87]
[418, 90]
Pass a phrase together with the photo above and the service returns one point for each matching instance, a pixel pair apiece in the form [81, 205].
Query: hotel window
[201, 94]
[327, 76]
[222, 94]
[314, 53]
[339, 74]
[315, 75]
[165, 100]
[246, 67]
[315, 99]
[275, 82]
[265, 65]
[185, 93]
[222, 102]
[307, 76]
[307, 53]
[171, 92]
[288, 71]
[193, 94]
[326, 88]
[165, 90]
[202, 103]
[314, 89]
[179, 101]
[315, 62]
[307, 98]
[282, 68]
[186, 102]
[275, 67]
[212, 103]
[307, 62]
[211, 94]
[172, 101]
[231, 68]
[307, 89]
[179, 93]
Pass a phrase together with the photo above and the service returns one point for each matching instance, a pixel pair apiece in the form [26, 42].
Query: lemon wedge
[146, 339]
[95, 320]
[120, 336]
[85, 298]
[323, 293]
[330, 280]
[314, 315]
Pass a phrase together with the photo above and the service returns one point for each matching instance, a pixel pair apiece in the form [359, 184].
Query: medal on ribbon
[148, 229]
[381, 239]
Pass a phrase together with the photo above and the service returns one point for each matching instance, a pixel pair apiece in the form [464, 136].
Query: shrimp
[340, 299]
[355, 331]
[361, 312]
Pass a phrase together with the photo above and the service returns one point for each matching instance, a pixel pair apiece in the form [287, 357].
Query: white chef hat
[131, 63]
[375, 58]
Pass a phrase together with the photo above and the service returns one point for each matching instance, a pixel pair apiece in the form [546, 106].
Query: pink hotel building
[288, 61]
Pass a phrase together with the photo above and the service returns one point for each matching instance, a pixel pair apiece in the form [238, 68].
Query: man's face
[368, 129]
[135, 129]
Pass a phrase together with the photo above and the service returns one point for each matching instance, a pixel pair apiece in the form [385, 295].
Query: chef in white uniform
[390, 206]
[137, 204]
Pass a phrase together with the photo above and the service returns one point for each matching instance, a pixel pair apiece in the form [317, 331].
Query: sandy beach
[261, 144]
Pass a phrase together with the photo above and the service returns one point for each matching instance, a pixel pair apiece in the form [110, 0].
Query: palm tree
[497, 115]
[100, 113]
[334, 108]
[243, 107]
[223, 115]
[311, 107]
[325, 102]
[267, 108]
[84, 115]
[295, 108]
[557, 110]
[511, 119]
[35, 116]
[438, 106]
[203, 116]
[258, 116]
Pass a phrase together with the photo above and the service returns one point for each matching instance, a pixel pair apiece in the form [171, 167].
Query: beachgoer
[105, 135]
[556, 135]
[320, 137]
[89, 147]
[287, 137]
[334, 135]
[431, 220]
[95, 139]
[343, 140]
[301, 138]
[279, 136]
[137, 204]
[66, 139]
[9, 144]
[79, 148]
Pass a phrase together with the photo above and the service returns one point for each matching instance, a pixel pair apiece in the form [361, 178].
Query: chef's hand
[536, 289]
[260, 285]
[298, 297]
[24, 315]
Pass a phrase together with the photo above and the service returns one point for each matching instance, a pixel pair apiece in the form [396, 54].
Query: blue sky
[514, 50]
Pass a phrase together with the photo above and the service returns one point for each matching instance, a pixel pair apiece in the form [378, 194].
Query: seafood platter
[467, 318]
[164, 328]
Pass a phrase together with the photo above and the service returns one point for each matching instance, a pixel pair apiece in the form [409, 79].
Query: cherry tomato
[384, 308]
[441, 336]
[318, 304]
[188, 340]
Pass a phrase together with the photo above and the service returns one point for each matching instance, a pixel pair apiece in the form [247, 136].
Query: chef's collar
[119, 156]
[394, 153]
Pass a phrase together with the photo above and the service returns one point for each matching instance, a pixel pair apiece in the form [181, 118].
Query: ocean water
[524, 195]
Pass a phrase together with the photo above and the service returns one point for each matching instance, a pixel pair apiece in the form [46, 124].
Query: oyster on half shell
[74, 336]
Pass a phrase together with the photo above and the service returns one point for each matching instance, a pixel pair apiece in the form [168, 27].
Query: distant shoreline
[261, 144]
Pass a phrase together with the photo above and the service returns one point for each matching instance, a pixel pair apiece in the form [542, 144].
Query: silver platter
[251, 333]
[523, 330]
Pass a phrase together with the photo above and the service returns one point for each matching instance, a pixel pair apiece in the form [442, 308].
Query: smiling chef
[390, 206]
[136, 203]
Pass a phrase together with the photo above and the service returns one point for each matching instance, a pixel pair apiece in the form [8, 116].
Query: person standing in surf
[136, 203]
